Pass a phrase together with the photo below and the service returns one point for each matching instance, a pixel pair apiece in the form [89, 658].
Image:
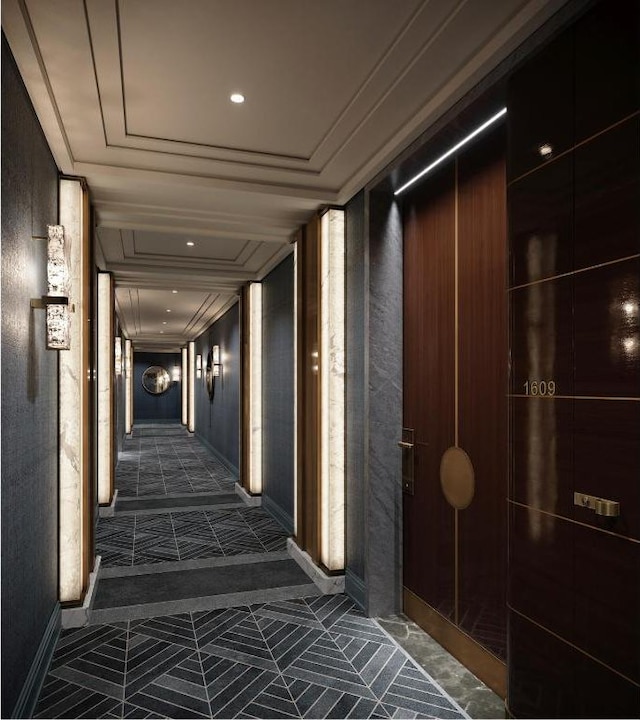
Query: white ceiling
[134, 95]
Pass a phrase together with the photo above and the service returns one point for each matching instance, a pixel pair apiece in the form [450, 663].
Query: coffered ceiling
[134, 96]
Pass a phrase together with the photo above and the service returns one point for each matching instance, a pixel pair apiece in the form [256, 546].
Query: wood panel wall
[455, 385]
[574, 594]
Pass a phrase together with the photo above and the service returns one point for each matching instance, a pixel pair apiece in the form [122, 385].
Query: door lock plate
[408, 460]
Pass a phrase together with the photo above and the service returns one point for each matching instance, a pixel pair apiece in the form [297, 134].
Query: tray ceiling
[134, 95]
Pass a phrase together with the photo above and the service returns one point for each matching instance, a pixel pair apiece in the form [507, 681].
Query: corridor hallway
[200, 612]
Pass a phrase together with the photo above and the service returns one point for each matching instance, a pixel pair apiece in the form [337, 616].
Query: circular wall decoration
[156, 380]
[457, 478]
[210, 377]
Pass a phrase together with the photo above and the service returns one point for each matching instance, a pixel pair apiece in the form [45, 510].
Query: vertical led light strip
[295, 388]
[128, 387]
[255, 388]
[105, 387]
[74, 397]
[192, 386]
[185, 389]
[332, 374]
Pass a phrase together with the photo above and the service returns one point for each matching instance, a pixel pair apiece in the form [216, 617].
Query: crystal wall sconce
[217, 365]
[56, 302]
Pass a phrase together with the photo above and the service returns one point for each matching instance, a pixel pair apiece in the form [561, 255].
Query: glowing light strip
[295, 388]
[105, 387]
[128, 387]
[452, 150]
[255, 388]
[192, 386]
[185, 389]
[72, 373]
[332, 375]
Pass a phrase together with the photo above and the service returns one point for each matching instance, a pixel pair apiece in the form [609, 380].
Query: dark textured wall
[355, 396]
[218, 422]
[29, 389]
[165, 407]
[277, 392]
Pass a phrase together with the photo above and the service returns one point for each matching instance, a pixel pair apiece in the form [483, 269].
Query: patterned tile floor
[165, 537]
[313, 658]
[168, 464]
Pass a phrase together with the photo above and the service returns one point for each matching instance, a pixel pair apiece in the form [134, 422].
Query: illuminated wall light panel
[295, 389]
[185, 389]
[128, 387]
[106, 344]
[117, 358]
[332, 388]
[198, 366]
[255, 388]
[191, 379]
[74, 458]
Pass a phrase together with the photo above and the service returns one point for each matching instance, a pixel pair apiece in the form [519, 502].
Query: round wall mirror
[209, 376]
[156, 380]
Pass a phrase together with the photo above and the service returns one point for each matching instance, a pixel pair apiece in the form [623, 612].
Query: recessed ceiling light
[164, 322]
[168, 310]
[237, 98]
[161, 332]
[190, 243]
[175, 292]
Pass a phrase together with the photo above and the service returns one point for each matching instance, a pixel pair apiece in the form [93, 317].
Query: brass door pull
[607, 508]
[405, 445]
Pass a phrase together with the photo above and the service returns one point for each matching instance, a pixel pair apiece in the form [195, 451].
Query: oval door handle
[405, 445]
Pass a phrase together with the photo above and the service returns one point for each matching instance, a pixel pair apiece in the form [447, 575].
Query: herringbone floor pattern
[312, 658]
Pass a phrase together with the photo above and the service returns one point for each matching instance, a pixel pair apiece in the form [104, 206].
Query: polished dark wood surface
[606, 438]
[607, 66]
[429, 386]
[540, 223]
[574, 587]
[607, 330]
[549, 678]
[541, 473]
[607, 196]
[540, 106]
[456, 223]
[541, 326]
[607, 599]
[482, 406]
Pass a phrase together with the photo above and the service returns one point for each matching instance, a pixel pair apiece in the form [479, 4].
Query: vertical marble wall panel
[155, 408]
[383, 404]
[218, 421]
[29, 389]
[277, 392]
[354, 576]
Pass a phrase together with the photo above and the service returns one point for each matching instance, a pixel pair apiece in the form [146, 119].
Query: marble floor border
[130, 570]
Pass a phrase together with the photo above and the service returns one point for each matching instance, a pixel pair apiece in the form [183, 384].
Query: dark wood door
[455, 384]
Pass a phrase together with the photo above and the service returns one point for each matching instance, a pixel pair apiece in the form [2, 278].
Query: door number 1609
[540, 387]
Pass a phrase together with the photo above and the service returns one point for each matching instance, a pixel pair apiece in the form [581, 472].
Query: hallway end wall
[29, 390]
[277, 392]
[157, 408]
[218, 421]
